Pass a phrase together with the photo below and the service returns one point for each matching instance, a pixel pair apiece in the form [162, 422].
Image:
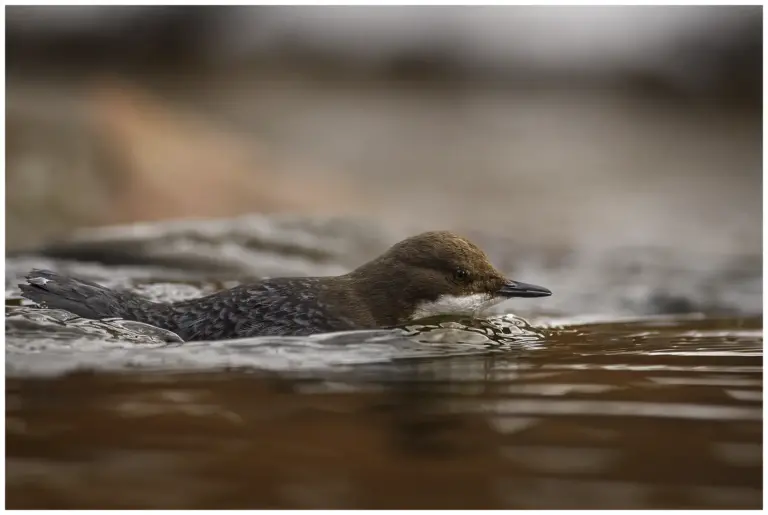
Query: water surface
[636, 414]
[555, 409]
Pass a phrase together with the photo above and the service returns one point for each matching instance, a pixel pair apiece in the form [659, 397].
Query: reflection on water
[657, 412]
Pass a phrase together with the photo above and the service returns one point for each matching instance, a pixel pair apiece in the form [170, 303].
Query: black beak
[517, 289]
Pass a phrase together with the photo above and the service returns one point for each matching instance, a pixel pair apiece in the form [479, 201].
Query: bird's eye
[461, 274]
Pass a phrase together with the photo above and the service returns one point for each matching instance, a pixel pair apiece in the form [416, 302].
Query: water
[555, 409]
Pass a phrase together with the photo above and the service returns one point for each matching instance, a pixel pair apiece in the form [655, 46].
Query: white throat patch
[456, 305]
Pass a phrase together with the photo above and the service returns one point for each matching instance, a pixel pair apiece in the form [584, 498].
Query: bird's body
[432, 273]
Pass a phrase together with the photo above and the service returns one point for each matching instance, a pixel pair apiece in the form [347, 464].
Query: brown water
[638, 413]
[635, 408]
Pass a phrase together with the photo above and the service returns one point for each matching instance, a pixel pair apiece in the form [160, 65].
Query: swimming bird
[434, 273]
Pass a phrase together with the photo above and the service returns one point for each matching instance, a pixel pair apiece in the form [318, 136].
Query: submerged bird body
[429, 274]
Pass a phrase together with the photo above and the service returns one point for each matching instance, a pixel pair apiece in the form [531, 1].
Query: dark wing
[278, 307]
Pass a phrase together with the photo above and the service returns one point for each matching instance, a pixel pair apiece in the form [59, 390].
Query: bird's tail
[86, 299]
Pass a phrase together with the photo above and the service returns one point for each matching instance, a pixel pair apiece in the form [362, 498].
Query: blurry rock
[179, 165]
[55, 178]
[115, 154]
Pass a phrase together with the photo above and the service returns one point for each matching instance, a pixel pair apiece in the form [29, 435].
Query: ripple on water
[54, 341]
[49, 342]
[542, 415]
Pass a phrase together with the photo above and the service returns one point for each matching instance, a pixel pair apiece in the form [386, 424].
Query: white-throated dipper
[434, 273]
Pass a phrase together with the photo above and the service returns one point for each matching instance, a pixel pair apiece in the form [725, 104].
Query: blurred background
[563, 126]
